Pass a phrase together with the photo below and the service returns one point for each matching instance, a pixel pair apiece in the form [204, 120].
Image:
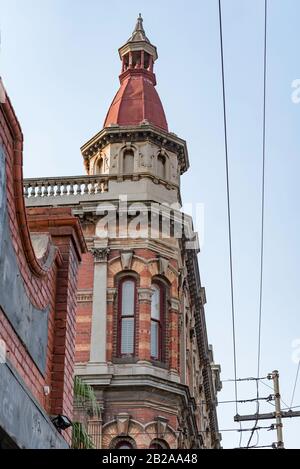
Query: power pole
[279, 425]
[278, 414]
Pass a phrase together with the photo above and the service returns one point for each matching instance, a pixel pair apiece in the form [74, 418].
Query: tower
[141, 334]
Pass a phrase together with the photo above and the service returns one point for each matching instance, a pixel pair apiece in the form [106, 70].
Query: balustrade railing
[65, 186]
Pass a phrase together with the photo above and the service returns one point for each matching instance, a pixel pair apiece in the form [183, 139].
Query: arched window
[159, 444]
[123, 442]
[99, 167]
[157, 320]
[127, 307]
[124, 445]
[128, 162]
[161, 166]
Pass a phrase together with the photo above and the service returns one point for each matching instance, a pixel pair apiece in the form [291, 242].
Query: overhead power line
[295, 385]
[228, 207]
[262, 216]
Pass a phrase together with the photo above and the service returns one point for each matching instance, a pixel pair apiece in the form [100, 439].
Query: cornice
[145, 131]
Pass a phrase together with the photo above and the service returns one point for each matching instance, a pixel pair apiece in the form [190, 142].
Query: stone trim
[84, 296]
[145, 294]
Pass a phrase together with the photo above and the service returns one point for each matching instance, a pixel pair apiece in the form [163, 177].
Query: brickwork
[53, 285]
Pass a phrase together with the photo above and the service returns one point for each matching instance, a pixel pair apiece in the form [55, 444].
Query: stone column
[174, 336]
[111, 296]
[98, 333]
[144, 326]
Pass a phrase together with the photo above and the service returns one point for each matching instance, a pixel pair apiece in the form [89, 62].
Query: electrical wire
[243, 379]
[262, 218]
[228, 209]
[295, 385]
[270, 387]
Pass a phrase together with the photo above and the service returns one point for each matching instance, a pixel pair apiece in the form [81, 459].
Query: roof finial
[139, 24]
[139, 32]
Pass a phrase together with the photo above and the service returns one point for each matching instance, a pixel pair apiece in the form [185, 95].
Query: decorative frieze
[84, 296]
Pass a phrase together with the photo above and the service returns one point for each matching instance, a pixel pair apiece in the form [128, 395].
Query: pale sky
[60, 65]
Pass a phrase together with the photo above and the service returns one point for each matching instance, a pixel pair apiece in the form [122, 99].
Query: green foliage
[80, 437]
[84, 396]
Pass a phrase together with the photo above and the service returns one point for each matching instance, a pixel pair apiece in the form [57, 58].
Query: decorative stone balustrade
[65, 186]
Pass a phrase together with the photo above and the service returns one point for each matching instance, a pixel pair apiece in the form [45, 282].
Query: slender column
[98, 333]
[111, 296]
[142, 59]
[173, 336]
[130, 59]
[144, 326]
[151, 63]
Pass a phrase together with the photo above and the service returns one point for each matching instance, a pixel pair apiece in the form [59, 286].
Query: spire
[139, 32]
[137, 100]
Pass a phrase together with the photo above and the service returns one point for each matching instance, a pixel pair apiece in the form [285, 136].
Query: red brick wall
[55, 286]
[84, 309]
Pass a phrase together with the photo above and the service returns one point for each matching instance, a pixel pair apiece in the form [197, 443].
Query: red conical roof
[137, 99]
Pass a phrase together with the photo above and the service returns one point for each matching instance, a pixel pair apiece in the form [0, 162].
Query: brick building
[39, 258]
[141, 333]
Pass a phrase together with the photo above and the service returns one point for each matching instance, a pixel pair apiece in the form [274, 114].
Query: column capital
[100, 254]
[145, 294]
[111, 294]
[175, 304]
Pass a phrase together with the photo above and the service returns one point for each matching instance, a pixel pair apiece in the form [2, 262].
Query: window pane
[128, 298]
[154, 339]
[127, 335]
[155, 302]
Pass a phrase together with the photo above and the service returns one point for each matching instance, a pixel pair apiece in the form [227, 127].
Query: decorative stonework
[126, 259]
[163, 265]
[111, 294]
[84, 296]
[123, 421]
[145, 294]
[100, 254]
[175, 304]
[161, 427]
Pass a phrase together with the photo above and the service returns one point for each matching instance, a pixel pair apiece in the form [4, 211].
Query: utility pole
[278, 414]
[275, 377]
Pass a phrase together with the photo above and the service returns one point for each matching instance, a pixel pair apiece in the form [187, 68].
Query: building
[40, 254]
[141, 333]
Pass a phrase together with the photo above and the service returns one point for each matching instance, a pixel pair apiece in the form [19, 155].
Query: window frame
[120, 317]
[161, 321]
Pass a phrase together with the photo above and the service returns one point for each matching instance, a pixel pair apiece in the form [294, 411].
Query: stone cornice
[115, 134]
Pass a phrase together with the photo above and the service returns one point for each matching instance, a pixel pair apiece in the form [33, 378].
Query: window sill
[124, 360]
[159, 364]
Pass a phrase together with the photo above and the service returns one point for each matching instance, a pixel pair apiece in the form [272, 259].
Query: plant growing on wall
[85, 398]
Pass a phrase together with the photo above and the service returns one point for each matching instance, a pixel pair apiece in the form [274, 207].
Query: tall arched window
[99, 167]
[157, 320]
[128, 162]
[161, 166]
[127, 307]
